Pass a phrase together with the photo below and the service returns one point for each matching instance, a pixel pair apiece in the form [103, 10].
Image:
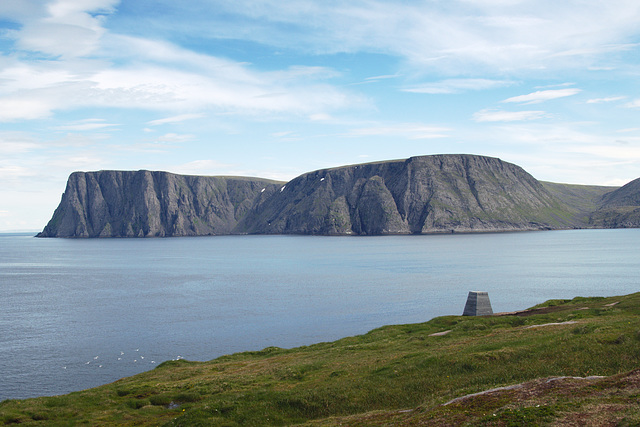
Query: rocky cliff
[619, 208]
[150, 204]
[427, 194]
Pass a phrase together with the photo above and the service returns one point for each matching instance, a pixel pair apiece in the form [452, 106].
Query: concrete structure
[478, 304]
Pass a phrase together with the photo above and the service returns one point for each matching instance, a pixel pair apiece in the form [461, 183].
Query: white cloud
[175, 119]
[14, 108]
[566, 84]
[12, 143]
[593, 51]
[620, 152]
[409, 131]
[383, 77]
[600, 68]
[113, 70]
[459, 37]
[86, 125]
[20, 10]
[17, 75]
[154, 87]
[14, 172]
[553, 135]
[320, 117]
[570, 152]
[79, 139]
[283, 134]
[70, 28]
[174, 138]
[202, 167]
[458, 86]
[543, 95]
[604, 100]
[633, 104]
[507, 116]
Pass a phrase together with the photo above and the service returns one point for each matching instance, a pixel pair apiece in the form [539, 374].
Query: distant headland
[447, 193]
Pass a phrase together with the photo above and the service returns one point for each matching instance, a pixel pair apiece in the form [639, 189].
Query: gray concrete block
[478, 304]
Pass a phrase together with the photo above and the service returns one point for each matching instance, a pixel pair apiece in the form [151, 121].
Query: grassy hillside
[581, 199]
[395, 375]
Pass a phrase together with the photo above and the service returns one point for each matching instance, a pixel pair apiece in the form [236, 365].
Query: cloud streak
[175, 119]
[542, 96]
[451, 86]
[507, 116]
[604, 100]
[86, 125]
[496, 36]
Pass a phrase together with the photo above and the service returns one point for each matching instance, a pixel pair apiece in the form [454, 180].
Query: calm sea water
[79, 313]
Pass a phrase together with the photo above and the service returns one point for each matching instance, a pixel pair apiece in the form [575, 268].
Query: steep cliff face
[443, 193]
[428, 194]
[146, 204]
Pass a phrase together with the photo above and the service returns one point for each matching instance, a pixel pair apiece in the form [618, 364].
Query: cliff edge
[425, 194]
[153, 204]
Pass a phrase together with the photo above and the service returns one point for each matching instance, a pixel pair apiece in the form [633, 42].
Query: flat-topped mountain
[426, 194]
[441, 193]
[154, 204]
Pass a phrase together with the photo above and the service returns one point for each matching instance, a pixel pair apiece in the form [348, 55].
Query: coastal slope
[619, 208]
[427, 194]
[563, 362]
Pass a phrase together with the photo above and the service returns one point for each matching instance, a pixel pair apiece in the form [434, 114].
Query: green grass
[373, 379]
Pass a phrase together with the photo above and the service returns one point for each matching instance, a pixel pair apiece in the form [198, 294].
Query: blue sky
[275, 89]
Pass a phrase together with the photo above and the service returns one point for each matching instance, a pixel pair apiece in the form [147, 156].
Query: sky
[274, 89]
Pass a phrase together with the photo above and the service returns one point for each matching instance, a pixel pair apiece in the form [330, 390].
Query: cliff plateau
[426, 194]
[153, 204]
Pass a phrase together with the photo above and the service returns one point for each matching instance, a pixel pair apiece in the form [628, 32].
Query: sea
[78, 313]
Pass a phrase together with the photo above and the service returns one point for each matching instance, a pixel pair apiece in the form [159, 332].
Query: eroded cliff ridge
[441, 193]
[426, 194]
[153, 204]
